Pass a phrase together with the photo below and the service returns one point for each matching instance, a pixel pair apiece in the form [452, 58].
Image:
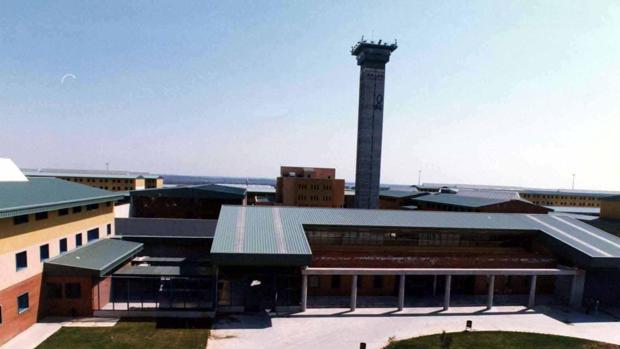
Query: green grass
[132, 335]
[498, 340]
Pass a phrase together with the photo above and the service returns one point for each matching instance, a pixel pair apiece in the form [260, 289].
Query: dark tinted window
[77, 209]
[92, 207]
[54, 290]
[44, 252]
[20, 219]
[73, 290]
[109, 229]
[63, 245]
[78, 240]
[21, 260]
[40, 215]
[92, 234]
[63, 212]
[22, 303]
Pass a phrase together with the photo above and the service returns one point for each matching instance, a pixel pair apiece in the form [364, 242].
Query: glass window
[92, 207]
[22, 303]
[0, 315]
[63, 212]
[63, 245]
[73, 290]
[21, 260]
[53, 290]
[77, 209]
[40, 215]
[92, 234]
[335, 283]
[108, 229]
[377, 281]
[313, 280]
[78, 240]
[20, 219]
[44, 252]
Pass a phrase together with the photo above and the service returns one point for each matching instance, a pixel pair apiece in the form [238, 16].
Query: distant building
[257, 194]
[196, 201]
[573, 198]
[309, 186]
[462, 203]
[42, 219]
[107, 180]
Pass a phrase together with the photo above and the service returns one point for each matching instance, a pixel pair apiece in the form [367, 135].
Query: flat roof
[400, 194]
[48, 193]
[98, 257]
[276, 235]
[173, 270]
[204, 191]
[165, 227]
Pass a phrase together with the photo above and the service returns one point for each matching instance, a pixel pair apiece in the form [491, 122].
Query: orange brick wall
[12, 322]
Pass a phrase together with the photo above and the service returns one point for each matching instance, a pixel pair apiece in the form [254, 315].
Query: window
[108, 229]
[78, 240]
[92, 207]
[63, 245]
[20, 219]
[40, 215]
[73, 290]
[377, 281]
[335, 283]
[63, 212]
[313, 281]
[44, 252]
[22, 303]
[21, 260]
[92, 234]
[0, 315]
[53, 290]
[77, 209]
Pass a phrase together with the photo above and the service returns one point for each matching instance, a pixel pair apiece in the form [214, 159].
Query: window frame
[47, 248]
[17, 267]
[62, 242]
[23, 310]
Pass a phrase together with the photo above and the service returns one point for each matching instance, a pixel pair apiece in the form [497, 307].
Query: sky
[522, 93]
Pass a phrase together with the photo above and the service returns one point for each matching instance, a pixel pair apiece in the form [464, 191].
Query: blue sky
[486, 92]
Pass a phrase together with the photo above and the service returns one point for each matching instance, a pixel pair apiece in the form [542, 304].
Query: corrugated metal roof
[49, 172]
[164, 270]
[44, 194]
[459, 200]
[98, 257]
[165, 227]
[399, 194]
[246, 234]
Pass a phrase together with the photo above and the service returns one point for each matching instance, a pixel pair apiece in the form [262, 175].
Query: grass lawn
[160, 334]
[499, 340]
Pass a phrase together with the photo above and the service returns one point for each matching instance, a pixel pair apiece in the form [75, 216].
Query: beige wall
[561, 199]
[30, 236]
[113, 184]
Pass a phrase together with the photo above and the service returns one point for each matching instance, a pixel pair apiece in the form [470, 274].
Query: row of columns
[575, 296]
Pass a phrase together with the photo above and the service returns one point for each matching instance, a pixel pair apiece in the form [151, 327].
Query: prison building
[565, 197]
[196, 201]
[310, 187]
[463, 203]
[107, 180]
[40, 219]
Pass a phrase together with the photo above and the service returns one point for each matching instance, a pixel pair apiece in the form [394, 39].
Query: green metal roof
[259, 235]
[88, 174]
[98, 257]
[45, 194]
[400, 194]
[164, 270]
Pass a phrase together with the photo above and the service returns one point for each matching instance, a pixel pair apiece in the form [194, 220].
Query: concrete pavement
[340, 328]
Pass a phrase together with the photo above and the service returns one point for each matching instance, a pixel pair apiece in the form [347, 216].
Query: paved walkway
[339, 328]
[39, 332]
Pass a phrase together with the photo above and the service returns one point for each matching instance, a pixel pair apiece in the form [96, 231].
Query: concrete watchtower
[371, 57]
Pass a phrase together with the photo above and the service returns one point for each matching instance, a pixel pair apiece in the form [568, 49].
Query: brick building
[107, 180]
[309, 186]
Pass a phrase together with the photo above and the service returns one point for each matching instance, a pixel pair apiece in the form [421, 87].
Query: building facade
[106, 180]
[571, 198]
[40, 219]
[309, 186]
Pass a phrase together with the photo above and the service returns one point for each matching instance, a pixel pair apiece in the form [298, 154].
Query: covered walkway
[575, 297]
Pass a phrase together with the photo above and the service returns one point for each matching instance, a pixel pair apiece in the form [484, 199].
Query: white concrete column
[532, 299]
[401, 292]
[576, 289]
[491, 291]
[446, 295]
[304, 292]
[353, 292]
